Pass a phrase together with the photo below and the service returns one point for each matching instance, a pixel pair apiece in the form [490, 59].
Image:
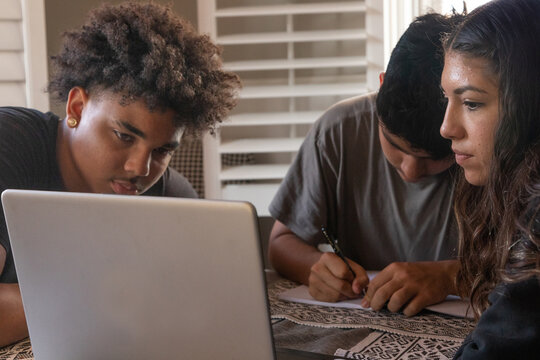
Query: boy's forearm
[292, 257]
[13, 324]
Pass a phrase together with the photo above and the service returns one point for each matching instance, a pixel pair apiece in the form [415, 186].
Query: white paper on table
[301, 294]
[453, 305]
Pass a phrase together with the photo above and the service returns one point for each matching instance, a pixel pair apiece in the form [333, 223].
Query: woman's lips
[461, 157]
[124, 187]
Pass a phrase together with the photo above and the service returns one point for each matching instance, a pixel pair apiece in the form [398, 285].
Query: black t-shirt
[510, 327]
[28, 161]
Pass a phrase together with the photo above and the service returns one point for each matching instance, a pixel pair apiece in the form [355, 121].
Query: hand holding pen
[334, 277]
[333, 243]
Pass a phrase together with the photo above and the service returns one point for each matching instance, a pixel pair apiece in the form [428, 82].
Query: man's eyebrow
[173, 145]
[132, 128]
[401, 149]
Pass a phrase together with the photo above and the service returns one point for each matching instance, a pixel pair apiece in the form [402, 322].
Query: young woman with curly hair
[491, 74]
[134, 77]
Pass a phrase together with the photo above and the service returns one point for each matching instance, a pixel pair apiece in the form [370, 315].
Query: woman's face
[472, 113]
[114, 148]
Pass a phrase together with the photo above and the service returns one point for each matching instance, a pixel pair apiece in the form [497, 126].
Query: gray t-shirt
[342, 180]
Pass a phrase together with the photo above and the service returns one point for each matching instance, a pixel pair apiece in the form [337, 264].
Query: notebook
[136, 277]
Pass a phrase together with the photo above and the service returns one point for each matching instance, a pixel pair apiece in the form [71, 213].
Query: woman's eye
[471, 105]
[122, 136]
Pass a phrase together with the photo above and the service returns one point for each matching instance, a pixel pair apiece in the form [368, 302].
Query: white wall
[23, 74]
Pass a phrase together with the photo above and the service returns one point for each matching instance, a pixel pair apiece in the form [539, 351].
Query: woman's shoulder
[510, 327]
[517, 300]
[518, 291]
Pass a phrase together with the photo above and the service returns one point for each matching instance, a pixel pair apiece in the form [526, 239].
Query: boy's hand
[330, 279]
[411, 286]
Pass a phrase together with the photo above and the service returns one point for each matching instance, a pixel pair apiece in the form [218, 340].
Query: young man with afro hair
[134, 77]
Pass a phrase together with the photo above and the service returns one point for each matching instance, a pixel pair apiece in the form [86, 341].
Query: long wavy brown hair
[499, 223]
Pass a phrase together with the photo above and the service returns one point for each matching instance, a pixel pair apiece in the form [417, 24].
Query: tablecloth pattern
[19, 350]
[425, 336]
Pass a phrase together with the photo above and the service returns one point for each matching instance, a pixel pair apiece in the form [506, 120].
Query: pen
[333, 242]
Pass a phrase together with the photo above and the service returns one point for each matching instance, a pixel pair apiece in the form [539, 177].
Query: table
[353, 333]
[363, 334]
[19, 350]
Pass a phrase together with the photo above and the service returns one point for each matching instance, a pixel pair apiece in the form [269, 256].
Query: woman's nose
[450, 127]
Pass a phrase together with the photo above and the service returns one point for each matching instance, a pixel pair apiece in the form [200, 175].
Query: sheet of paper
[301, 294]
[453, 305]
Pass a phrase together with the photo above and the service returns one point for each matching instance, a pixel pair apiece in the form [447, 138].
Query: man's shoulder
[22, 119]
[360, 103]
[352, 116]
[358, 106]
[28, 133]
[16, 112]
[352, 111]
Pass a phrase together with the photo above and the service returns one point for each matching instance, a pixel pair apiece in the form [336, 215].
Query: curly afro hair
[143, 51]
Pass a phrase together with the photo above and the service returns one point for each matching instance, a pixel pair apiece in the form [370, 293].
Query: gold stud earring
[72, 122]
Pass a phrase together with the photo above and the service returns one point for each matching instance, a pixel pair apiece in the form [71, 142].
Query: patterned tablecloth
[352, 333]
[20, 350]
[390, 336]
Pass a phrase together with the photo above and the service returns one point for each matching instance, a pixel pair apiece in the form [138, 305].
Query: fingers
[380, 294]
[396, 297]
[407, 286]
[373, 289]
[407, 299]
[416, 305]
[331, 280]
[391, 287]
[381, 279]
[361, 280]
[324, 292]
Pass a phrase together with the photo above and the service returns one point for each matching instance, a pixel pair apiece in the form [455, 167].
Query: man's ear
[381, 78]
[77, 100]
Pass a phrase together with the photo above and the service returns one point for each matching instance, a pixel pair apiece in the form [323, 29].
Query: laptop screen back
[120, 277]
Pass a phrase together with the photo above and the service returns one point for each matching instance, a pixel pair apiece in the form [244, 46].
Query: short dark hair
[143, 51]
[410, 103]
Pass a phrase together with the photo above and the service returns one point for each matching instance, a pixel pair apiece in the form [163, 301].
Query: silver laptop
[121, 277]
